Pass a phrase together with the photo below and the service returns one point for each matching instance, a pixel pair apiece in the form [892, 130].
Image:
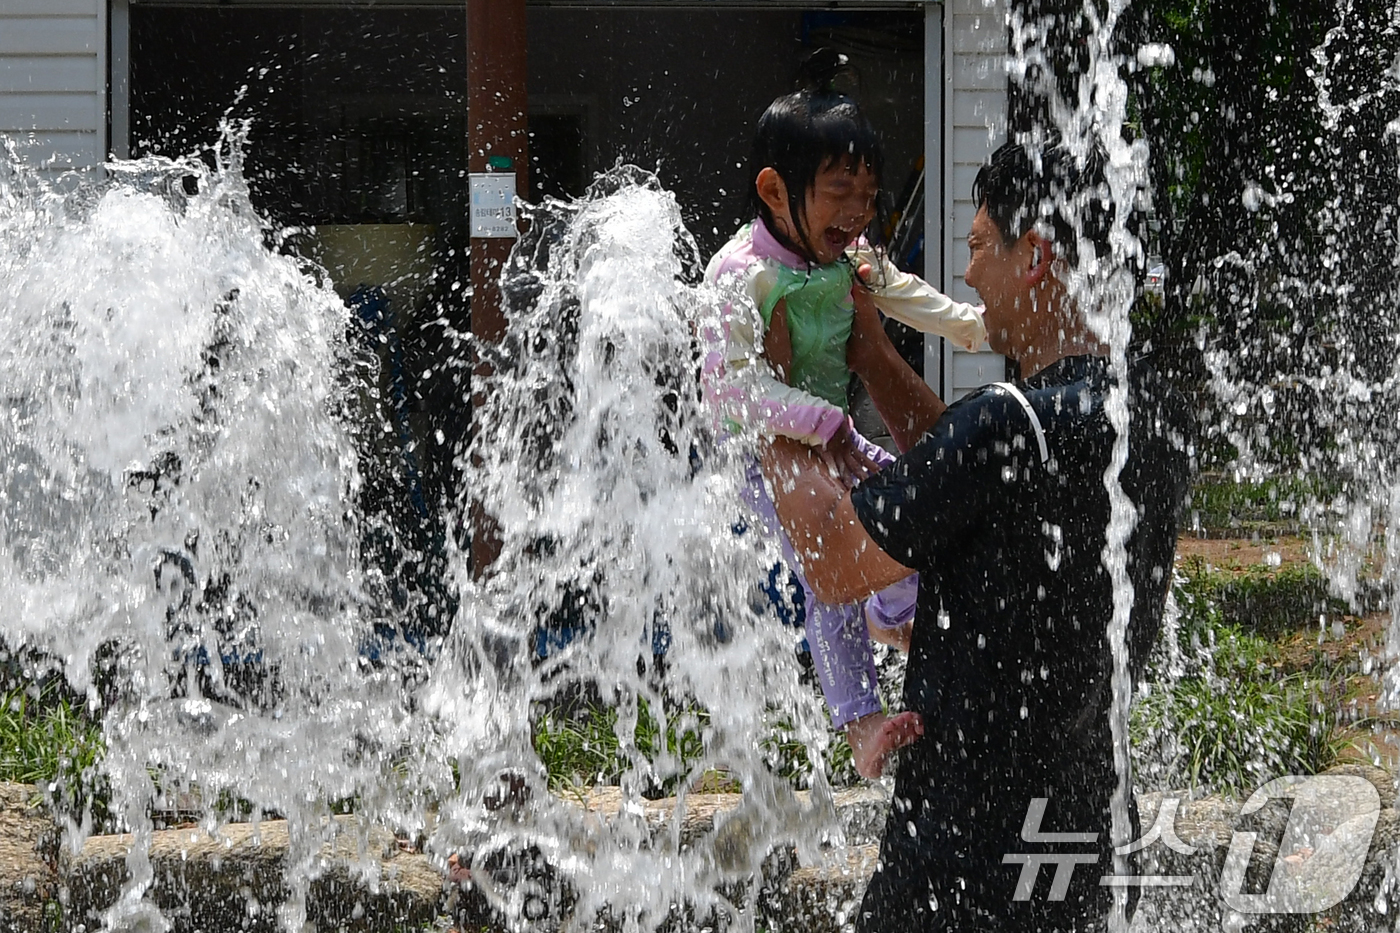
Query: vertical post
[496, 146]
[934, 82]
[119, 82]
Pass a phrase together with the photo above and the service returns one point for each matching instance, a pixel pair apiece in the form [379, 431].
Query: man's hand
[866, 351]
[847, 460]
[874, 737]
[905, 402]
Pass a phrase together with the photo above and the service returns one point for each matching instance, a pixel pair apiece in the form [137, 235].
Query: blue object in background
[372, 307]
[784, 592]
[785, 597]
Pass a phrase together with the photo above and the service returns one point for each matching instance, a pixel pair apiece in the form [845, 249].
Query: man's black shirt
[1010, 664]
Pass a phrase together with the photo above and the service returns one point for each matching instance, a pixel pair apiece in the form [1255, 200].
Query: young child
[816, 170]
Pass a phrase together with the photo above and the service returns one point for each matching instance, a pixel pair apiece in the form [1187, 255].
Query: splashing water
[1105, 288]
[179, 533]
[177, 527]
[617, 509]
[1299, 344]
[1318, 402]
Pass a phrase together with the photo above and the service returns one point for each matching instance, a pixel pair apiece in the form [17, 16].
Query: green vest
[819, 313]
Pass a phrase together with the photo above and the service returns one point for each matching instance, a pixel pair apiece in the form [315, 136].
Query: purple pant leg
[894, 605]
[837, 636]
[842, 656]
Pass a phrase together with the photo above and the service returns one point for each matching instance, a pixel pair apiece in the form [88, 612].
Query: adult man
[1002, 508]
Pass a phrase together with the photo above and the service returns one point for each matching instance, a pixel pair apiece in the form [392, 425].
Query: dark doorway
[559, 166]
[679, 91]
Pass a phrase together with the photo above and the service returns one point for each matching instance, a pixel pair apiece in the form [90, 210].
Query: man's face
[1000, 274]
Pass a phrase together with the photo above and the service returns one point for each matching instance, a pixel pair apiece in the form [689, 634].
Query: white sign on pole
[493, 204]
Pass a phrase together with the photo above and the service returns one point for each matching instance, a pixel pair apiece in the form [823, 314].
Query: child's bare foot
[874, 737]
[894, 637]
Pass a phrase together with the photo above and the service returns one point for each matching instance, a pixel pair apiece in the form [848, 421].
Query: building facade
[360, 124]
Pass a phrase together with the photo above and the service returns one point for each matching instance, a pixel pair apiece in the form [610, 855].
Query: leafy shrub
[1232, 734]
[582, 749]
[1218, 714]
[1222, 504]
[47, 738]
[1259, 599]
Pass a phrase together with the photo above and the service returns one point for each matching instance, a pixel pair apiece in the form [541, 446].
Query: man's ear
[772, 190]
[1042, 254]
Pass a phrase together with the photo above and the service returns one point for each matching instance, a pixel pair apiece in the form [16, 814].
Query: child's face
[839, 206]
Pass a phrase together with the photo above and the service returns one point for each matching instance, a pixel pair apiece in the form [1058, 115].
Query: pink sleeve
[738, 381]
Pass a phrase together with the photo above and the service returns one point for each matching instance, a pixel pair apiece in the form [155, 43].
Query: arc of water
[1097, 118]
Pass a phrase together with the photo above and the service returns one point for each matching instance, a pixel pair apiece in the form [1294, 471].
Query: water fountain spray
[619, 510]
[1090, 122]
[177, 529]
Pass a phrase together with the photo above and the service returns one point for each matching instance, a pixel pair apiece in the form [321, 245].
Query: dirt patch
[1352, 648]
[1237, 554]
[1344, 639]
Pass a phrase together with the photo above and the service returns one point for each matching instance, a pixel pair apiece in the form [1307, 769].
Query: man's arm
[908, 406]
[840, 561]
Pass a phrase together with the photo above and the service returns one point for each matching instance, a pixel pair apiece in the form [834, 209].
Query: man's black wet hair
[803, 132]
[1021, 186]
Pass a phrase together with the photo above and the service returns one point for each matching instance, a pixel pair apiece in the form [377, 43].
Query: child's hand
[874, 737]
[845, 459]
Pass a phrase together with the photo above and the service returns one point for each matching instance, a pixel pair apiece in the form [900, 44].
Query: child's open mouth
[838, 238]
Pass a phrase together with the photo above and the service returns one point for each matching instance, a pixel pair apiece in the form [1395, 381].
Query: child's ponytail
[822, 71]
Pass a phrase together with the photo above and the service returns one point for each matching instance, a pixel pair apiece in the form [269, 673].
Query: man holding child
[999, 502]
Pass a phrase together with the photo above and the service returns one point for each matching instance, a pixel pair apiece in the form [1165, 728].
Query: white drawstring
[1030, 413]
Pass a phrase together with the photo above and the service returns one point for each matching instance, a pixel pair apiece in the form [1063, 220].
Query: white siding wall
[975, 92]
[53, 81]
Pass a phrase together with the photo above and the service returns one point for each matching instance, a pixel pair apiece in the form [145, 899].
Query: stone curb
[233, 880]
[29, 880]
[366, 882]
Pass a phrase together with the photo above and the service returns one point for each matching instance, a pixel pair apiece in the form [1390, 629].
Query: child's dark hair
[803, 132]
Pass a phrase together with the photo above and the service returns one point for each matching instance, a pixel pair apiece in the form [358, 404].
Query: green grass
[789, 758]
[1260, 599]
[1232, 718]
[581, 749]
[1232, 734]
[48, 739]
[1223, 504]
[45, 735]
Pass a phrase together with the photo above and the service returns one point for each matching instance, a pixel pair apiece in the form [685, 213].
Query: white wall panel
[50, 35]
[973, 109]
[975, 43]
[21, 74]
[53, 81]
[29, 113]
[62, 150]
[972, 370]
[46, 7]
[975, 71]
